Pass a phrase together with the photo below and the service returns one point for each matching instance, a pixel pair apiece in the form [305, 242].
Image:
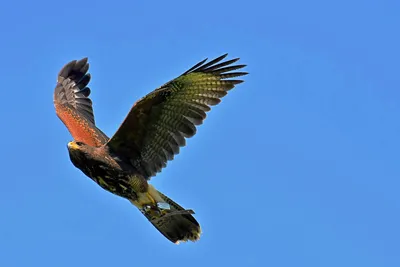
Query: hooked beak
[72, 145]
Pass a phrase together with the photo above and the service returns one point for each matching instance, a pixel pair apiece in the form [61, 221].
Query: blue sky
[298, 166]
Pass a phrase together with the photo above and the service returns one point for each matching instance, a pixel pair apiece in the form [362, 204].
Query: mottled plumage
[151, 135]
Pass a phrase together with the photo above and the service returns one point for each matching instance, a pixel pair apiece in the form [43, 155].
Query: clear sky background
[298, 166]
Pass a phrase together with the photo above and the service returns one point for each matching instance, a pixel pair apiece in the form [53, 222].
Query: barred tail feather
[176, 223]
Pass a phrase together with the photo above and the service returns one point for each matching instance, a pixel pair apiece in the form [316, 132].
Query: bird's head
[78, 149]
[76, 146]
[79, 152]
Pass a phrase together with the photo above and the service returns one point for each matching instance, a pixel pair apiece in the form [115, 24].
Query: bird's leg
[153, 210]
[162, 208]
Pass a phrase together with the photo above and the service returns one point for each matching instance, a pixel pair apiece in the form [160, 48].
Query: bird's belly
[126, 185]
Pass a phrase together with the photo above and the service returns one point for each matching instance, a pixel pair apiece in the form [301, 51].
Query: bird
[152, 134]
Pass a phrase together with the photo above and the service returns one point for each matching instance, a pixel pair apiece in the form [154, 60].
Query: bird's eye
[79, 143]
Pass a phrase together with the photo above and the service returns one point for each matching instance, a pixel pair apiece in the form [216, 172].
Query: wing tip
[217, 66]
[80, 65]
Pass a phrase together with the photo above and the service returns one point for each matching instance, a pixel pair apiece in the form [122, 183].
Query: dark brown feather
[158, 124]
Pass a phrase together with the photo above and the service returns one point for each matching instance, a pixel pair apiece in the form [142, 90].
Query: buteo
[151, 135]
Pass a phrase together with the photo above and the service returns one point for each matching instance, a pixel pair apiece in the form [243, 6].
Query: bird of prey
[152, 133]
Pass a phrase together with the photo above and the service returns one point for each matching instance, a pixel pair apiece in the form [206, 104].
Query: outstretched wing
[73, 105]
[159, 123]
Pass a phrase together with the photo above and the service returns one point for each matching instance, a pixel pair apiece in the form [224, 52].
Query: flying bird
[152, 133]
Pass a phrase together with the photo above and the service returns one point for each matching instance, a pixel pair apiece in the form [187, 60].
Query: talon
[152, 210]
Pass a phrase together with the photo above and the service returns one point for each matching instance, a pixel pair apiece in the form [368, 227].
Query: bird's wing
[73, 105]
[159, 123]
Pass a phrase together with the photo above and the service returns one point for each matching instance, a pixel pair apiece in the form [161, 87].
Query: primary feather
[159, 123]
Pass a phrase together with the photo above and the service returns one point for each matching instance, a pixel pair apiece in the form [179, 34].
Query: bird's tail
[173, 221]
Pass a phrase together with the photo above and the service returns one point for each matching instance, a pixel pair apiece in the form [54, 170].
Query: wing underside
[73, 105]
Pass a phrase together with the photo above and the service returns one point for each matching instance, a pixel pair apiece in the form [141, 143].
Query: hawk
[152, 133]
